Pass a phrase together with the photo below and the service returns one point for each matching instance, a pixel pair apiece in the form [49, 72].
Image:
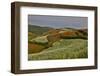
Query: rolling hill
[47, 43]
[37, 29]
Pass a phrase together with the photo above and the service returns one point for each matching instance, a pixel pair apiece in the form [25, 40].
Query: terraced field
[63, 49]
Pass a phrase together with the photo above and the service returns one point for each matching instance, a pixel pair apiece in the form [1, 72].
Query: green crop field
[63, 49]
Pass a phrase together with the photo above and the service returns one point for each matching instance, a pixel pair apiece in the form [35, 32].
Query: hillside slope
[47, 43]
[37, 29]
[63, 49]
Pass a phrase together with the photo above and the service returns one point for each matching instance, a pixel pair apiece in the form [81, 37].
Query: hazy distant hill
[37, 29]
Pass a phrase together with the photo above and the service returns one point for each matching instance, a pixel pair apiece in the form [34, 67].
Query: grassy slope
[63, 49]
[37, 29]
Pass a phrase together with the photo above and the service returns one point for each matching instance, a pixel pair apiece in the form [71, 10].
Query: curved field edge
[63, 49]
